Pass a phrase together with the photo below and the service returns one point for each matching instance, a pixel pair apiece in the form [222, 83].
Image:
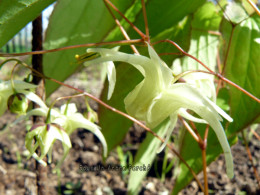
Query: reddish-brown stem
[121, 28]
[228, 49]
[197, 132]
[186, 125]
[219, 70]
[169, 53]
[123, 42]
[204, 159]
[184, 52]
[250, 158]
[255, 134]
[126, 19]
[238, 87]
[203, 147]
[223, 10]
[204, 162]
[206, 134]
[254, 6]
[145, 22]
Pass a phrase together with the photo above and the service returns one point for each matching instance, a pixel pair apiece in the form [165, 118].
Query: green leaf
[164, 14]
[243, 68]
[203, 46]
[145, 156]
[14, 15]
[72, 23]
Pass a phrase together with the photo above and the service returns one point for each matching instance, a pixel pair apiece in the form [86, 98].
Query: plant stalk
[41, 171]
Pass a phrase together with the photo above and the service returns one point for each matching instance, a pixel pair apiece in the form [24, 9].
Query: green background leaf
[243, 68]
[145, 156]
[203, 46]
[14, 15]
[72, 23]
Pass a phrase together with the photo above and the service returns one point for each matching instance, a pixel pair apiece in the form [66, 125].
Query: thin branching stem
[190, 130]
[203, 147]
[121, 28]
[145, 22]
[228, 49]
[123, 42]
[255, 134]
[126, 19]
[204, 162]
[254, 6]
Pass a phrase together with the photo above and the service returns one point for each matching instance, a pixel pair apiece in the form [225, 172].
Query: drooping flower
[156, 97]
[63, 122]
[45, 135]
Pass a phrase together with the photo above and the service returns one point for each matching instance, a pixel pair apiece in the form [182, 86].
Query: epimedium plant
[150, 90]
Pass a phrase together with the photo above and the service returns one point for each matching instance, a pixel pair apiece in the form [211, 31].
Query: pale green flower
[157, 97]
[111, 74]
[202, 81]
[6, 90]
[69, 119]
[45, 136]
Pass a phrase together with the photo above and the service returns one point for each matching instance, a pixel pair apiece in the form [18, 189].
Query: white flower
[45, 136]
[157, 97]
[69, 119]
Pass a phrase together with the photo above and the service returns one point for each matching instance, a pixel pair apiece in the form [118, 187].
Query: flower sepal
[43, 136]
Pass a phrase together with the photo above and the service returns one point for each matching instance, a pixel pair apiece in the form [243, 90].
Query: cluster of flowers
[60, 123]
[154, 99]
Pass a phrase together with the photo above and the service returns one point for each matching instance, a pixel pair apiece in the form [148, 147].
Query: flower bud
[18, 103]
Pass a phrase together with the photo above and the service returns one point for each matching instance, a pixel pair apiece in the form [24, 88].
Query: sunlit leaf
[72, 23]
[145, 156]
[14, 15]
[243, 68]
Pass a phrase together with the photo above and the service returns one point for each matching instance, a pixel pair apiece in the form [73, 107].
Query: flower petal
[111, 73]
[79, 121]
[188, 116]
[173, 120]
[71, 109]
[185, 96]
[33, 97]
